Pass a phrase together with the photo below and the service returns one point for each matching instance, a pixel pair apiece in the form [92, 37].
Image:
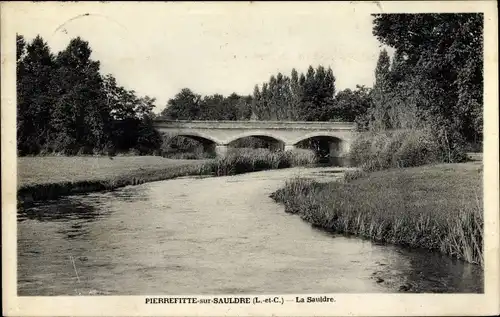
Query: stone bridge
[284, 135]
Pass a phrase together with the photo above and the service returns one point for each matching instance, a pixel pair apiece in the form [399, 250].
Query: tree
[243, 107]
[20, 47]
[352, 105]
[149, 140]
[121, 102]
[216, 107]
[81, 118]
[184, 106]
[379, 112]
[309, 97]
[256, 104]
[445, 52]
[296, 96]
[35, 65]
[318, 90]
[144, 108]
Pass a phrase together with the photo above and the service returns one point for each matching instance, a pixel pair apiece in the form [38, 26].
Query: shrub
[416, 148]
[405, 148]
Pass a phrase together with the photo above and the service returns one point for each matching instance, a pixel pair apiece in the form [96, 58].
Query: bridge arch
[317, 134]
[207, 144]
[273, 142]
[328, 146]
[203, 138]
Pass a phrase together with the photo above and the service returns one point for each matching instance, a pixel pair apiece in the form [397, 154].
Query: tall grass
[242, 160]
[386, 149]
[418, 208]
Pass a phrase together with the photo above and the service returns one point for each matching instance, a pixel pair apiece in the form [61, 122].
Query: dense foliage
[436, 76]
[66, 106]
[187, 105]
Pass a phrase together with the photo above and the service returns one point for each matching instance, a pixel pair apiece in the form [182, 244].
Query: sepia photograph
[249, 154]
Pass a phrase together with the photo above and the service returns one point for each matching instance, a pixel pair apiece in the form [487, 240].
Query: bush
[405, 148]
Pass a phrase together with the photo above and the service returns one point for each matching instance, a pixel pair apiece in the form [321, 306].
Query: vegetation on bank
[378, 150]
[244, 160]
[42, 178]
[59, 169]
[436, 207]
[401, 193]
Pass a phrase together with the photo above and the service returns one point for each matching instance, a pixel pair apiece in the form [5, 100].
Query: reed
[433, 207]
[245, 160]
[374, 151]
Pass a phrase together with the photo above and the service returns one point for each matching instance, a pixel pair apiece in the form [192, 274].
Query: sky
[159, 48]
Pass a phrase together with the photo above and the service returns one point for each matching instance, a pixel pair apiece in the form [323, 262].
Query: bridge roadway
[285, 135]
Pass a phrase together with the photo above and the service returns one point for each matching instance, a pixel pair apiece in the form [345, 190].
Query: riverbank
[435, 207]
[42, 178]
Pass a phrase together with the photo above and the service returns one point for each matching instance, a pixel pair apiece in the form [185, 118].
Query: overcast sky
[159, 48]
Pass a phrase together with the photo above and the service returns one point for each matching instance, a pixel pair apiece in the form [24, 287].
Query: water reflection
[421, 271]
[211, 236]
[129, 194]
[433, 272]
[64, 209]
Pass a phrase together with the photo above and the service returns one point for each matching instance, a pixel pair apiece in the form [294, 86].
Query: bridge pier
[289, 147]
[221, 150]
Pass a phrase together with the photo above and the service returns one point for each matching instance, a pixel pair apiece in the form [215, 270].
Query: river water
[219, 235]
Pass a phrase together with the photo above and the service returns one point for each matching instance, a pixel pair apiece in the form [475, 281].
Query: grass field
[41, 178]
[43, 170]
[437, 207]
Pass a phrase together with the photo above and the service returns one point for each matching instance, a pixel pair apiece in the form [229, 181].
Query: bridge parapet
[252, 125]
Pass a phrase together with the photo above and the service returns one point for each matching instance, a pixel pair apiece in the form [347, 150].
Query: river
[219, 235]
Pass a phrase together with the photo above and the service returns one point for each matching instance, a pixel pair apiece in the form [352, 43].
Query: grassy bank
[41, 178]
[436, 207]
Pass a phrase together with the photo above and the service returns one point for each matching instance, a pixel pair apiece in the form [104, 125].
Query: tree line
[309, 97]
[64, 104]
